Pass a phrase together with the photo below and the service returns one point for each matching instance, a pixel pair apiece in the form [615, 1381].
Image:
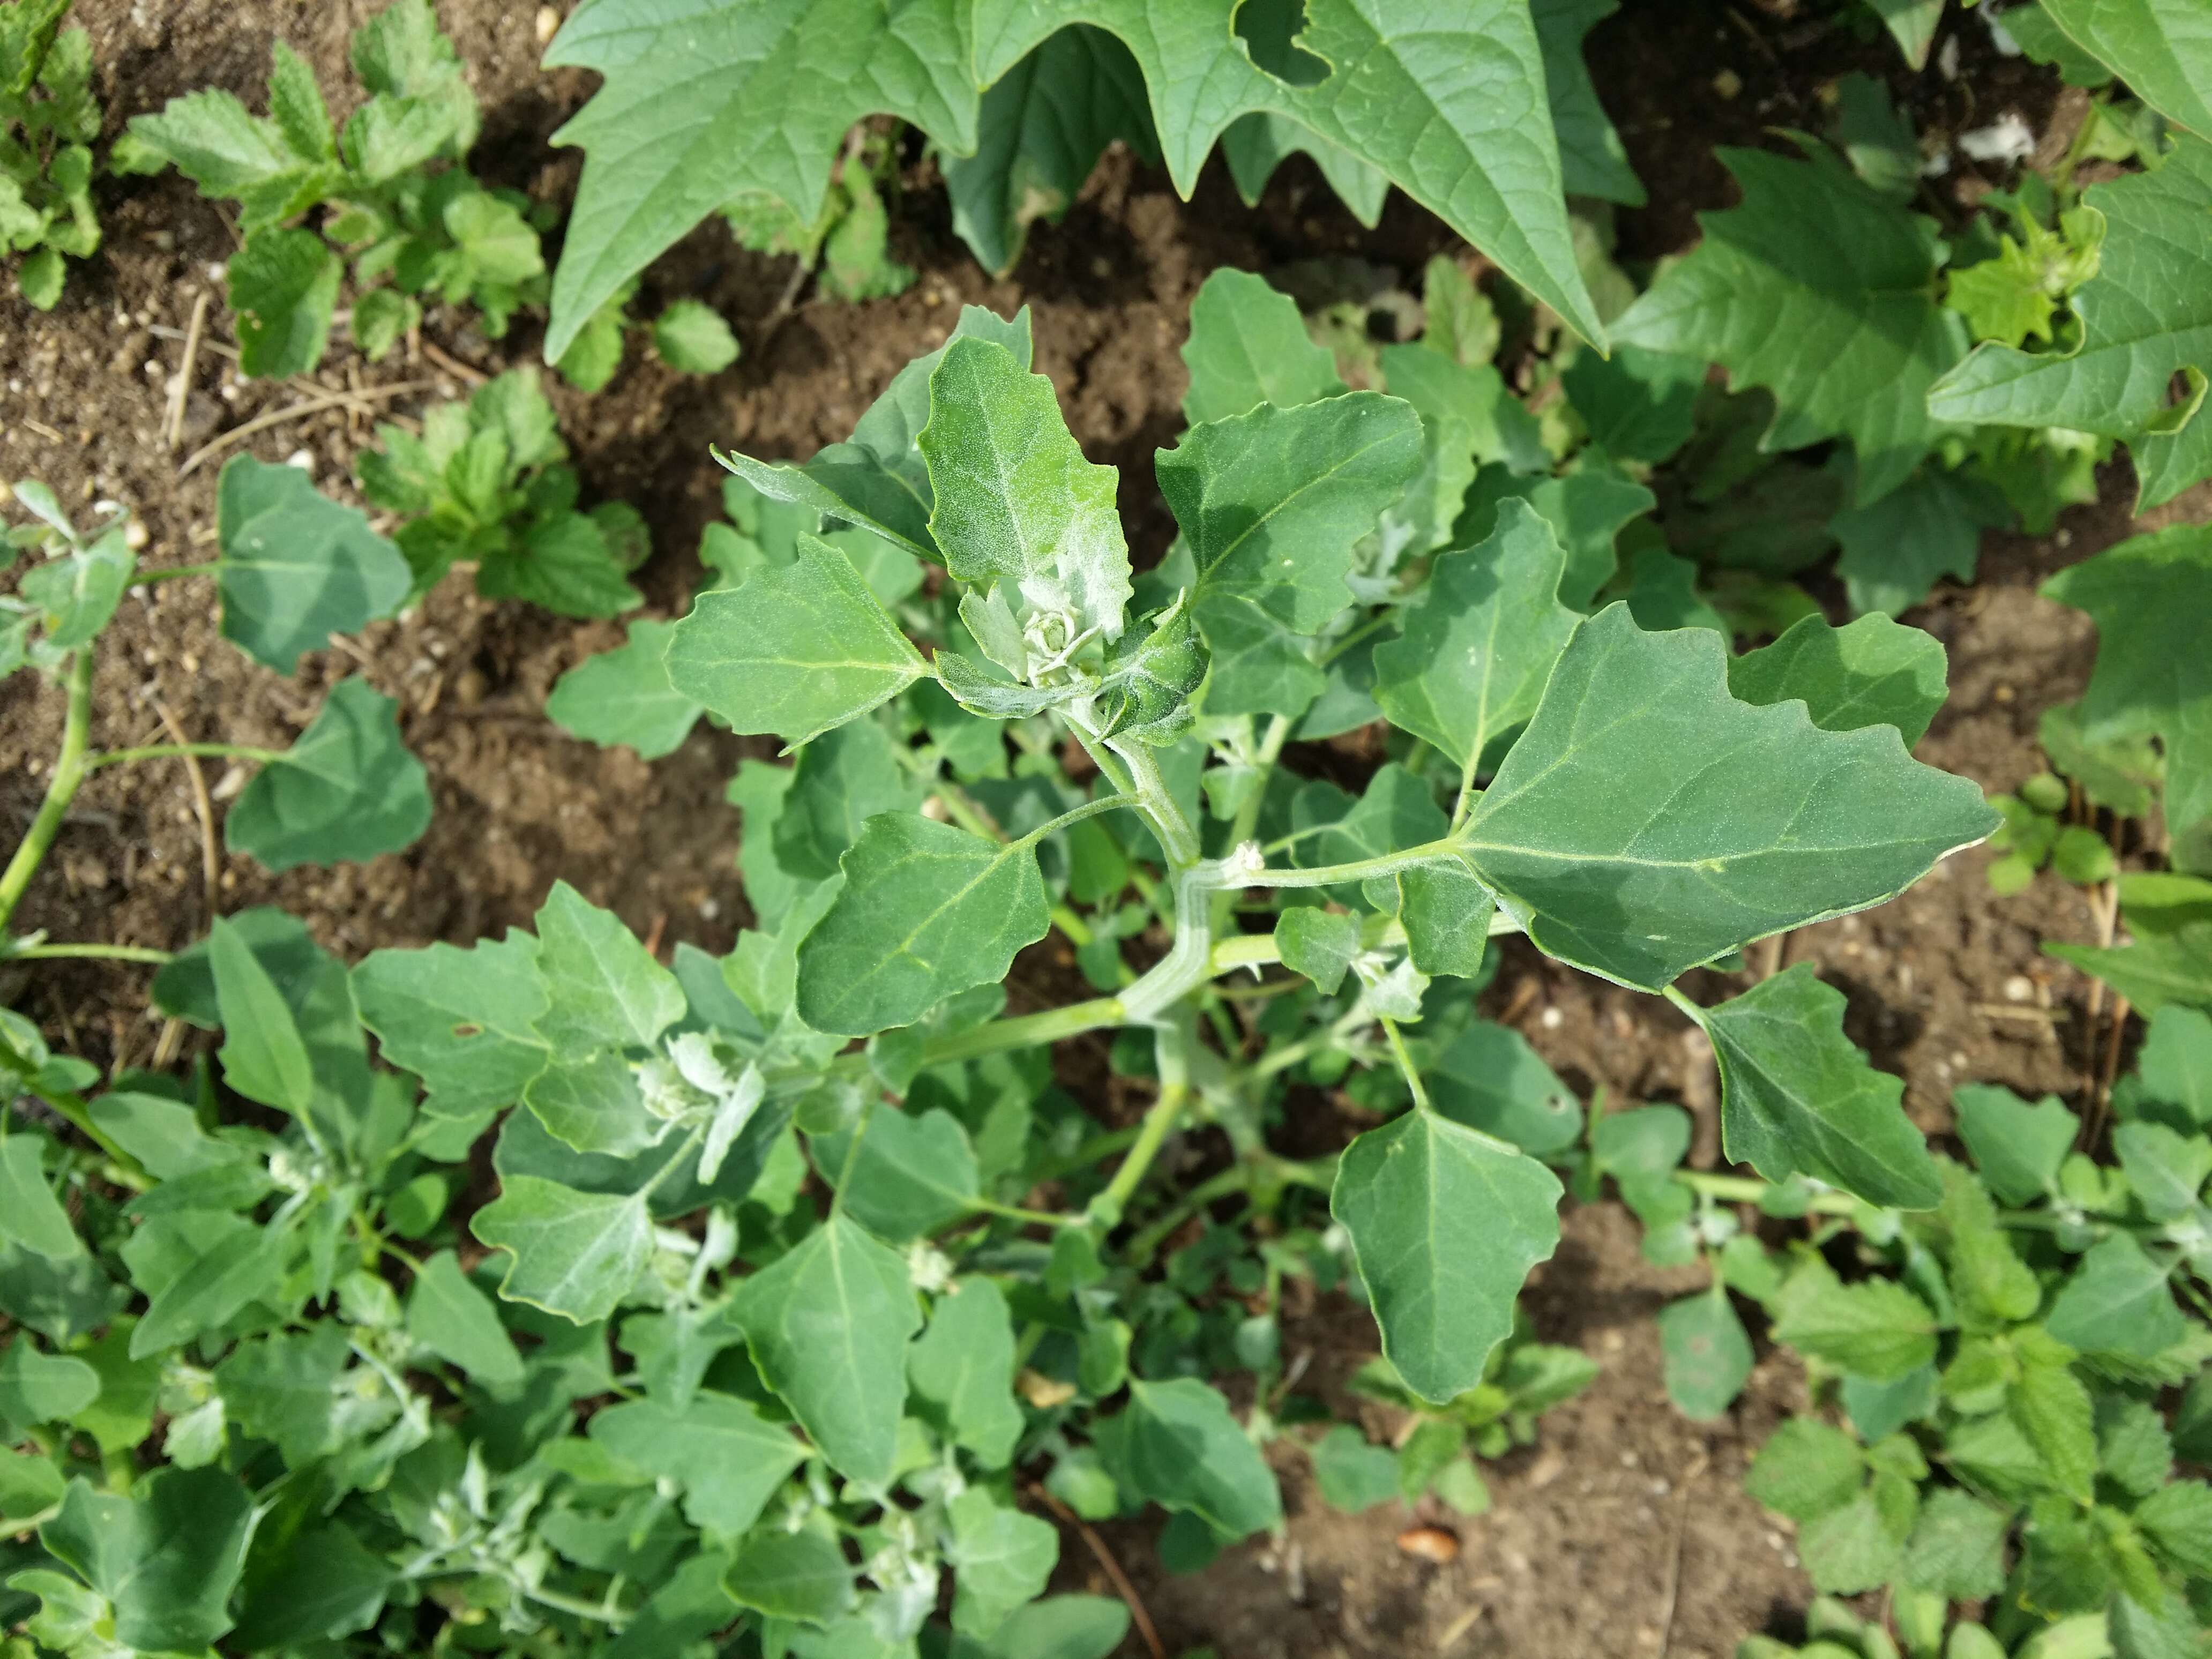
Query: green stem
[1331, 875]
[1177, 839]
[179, 750]
[1750, 1189]
[1158, 1122]
[71, 1109]
[90, 952]
[175, 572]
[1026, 1031]
[1016, 1212]
[1247, 821]
[68, 772]
[1406, 1067]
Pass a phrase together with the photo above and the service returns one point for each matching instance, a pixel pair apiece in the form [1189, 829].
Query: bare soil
[1623, 1530]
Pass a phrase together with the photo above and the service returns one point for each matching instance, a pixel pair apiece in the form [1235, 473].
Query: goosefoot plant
[294, 568]
[48, 121]
[2000, 1364]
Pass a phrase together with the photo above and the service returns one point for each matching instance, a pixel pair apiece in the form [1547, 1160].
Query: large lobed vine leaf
[1822, 289]
[1648, 820]
[706, 99]
[2162, 48]
[2145, 316]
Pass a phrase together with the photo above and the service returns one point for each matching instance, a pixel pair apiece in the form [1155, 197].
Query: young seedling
[48, 121]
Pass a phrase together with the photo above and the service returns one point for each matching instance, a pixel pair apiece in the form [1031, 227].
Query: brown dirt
[1623, 1530]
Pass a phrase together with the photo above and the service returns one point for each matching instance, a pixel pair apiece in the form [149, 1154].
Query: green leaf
[1706, 1353]
[283, 1389]
[1798, 1097]
[1000, 1559]
[31, 1489]
[594, 1104]
[576, 1254]
[1449, 109]
[962, 1371]
[1175, 1445]
[296, 566]
[625, 696]
[1479, 642]
[2174, 1066]
[879, 479]
[913, 1173]
[264, 1057]
[167, 1559]
[1639, 405]
[1351, 1474]
[495, 243]
[1895, 549]
[927, 911]
[2139, 328]
[327, 1584]
[1849, 345]
[30, 1214]
[1806, 1469]
[2053, 1410]
[1014, 499]
[2017, 1148]
[1491, 1079]
[211, 1288]
[1647, 821]
[2148, 597]
[799, 1575]
[39, 1388]
[1592, 160]
[2165, 1170]
[2158, 971]
[1057, 1627]
[797, 649]
[2161, 48]
[1446, 912]
[1040, 130]
[692, 338]
[284, 288]
[1446, 1223]
[1254, 145]
[465, 1021]
[1911, 24]
[1319, 944]
[827, 1327]
[2117, 1302]
[1249, 346]
[1856, 1548]
[1875, 1329]
[455, 1321]
[1586, 510]
[727, 1459]
[2179, 1519]
[1274, 502]
[564, 563]
[77, 593]
[603, 990]
[1872, 672]
[346, 790]
[1149, 679]
[1957, 1548]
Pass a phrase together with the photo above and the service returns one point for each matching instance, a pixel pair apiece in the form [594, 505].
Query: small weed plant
[49, 120]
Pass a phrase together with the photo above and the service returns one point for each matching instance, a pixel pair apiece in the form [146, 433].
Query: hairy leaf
[1249, 346]
[800, 648]
[1871, 672]
[463, 1021]
[1447, 1222]
[576, 1254]
[602, 988]
[728, 1459]
[296, 566]
[928, 909]
[347, 790]
[1647, 821]
[827, 1325]
[1480, 640]
[1273, 502]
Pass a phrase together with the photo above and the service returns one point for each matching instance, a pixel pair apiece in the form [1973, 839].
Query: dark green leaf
[1872, 673]
[575, 1254]
[1175, 1445]
[346, 790]
[1249, 346]
[296, 566]
[727, 1459]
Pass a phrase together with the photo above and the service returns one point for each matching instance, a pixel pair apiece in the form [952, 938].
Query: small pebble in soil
[2019, 988]
[1551, 1019]
[548, 24]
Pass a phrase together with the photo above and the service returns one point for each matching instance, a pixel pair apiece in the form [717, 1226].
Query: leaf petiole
[179, 750]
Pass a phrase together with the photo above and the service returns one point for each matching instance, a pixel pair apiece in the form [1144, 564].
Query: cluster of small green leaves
[1999, 1357]
[728, 105]
[847, 244]
[48, 120]
[294, 568]
[487, 484]
[400, 204]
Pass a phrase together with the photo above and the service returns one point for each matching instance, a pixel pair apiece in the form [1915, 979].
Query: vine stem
[179, 750]
[1173, 1055]
[70, 770]
[85, 952]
